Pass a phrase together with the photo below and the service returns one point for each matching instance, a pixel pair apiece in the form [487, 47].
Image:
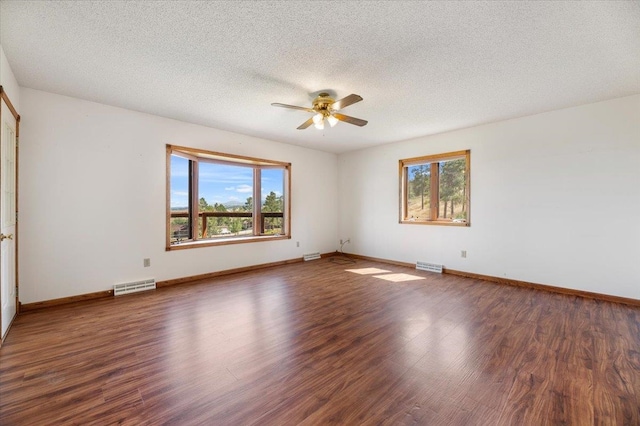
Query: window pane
[272, 183]
[452, 202]
[225, 195]
[418, 192]
[179, 199]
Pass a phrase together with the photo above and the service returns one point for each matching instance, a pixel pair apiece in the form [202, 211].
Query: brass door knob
[6, 237]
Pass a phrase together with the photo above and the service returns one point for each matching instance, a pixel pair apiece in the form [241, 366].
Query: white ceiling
[421, 67]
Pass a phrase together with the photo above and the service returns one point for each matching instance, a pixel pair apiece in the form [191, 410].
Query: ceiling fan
[325, 109]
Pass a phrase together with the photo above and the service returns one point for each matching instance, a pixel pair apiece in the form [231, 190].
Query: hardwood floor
[312, 343]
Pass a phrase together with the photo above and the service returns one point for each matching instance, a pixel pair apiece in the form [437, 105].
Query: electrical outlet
[340, 241]
[463, 253]
[297, 243]
[147, 262]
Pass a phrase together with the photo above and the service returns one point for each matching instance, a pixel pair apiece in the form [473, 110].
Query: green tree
[235, 225]
[220, 221]
[273, 204]
[248, 205]
[203, 206]
[452, 181]
[421, 182]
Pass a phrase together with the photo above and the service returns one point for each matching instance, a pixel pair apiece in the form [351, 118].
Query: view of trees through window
[419, 191]
[218, 197]
[240, 218]
[435, 188]
[452, 190]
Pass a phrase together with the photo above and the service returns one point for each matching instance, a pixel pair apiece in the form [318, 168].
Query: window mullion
[194, 208]
[286, 207]
[435, 187]
[257, 202]
[404, 190]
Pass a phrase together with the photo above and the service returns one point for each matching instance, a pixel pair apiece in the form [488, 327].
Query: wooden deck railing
[203, 216]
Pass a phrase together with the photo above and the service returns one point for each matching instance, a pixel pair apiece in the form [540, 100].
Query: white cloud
[179, 198]
[229, 188]
[244, 188]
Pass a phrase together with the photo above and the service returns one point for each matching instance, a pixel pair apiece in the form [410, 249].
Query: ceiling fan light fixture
[318, 119]
[332, 120]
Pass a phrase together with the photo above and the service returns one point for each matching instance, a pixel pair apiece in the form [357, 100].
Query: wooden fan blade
[306, 124]
[293, 107]
[351, 120]
[346, 101]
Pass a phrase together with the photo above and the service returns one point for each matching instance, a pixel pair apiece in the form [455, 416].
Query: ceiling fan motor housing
[322, 103]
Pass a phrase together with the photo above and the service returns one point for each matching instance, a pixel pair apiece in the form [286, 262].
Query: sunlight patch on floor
[397, 278]
[368, 271]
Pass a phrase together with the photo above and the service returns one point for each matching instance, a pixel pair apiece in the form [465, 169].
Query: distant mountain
[229, 206]
[232, 205]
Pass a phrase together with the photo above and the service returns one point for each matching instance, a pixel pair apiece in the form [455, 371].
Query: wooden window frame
[196, 156]
[434, 199]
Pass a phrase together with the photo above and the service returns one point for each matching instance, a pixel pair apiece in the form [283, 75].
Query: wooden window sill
[226, 241]
[434, 222]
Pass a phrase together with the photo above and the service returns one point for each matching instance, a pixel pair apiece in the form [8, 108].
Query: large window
[211, 198]
[435, 189]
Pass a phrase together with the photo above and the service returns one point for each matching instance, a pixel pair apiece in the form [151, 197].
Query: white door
[8, 296]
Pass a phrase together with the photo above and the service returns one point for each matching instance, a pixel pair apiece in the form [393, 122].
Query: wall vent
[311, 256]
[134, 287]
[430, 267]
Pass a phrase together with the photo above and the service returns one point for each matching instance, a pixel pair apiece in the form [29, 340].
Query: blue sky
[221, 184]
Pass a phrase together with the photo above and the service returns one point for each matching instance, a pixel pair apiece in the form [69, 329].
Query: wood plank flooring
[313, 343]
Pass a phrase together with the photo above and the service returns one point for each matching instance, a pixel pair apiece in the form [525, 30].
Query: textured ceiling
[421, 67]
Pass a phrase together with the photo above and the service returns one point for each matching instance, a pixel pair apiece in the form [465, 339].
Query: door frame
[5, 98]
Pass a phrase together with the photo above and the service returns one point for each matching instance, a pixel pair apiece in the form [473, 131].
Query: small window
[435, 189]
[210, 198]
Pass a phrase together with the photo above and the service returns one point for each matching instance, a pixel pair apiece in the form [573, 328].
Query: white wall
[8, 81]
[555, 200]
[92, 198]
